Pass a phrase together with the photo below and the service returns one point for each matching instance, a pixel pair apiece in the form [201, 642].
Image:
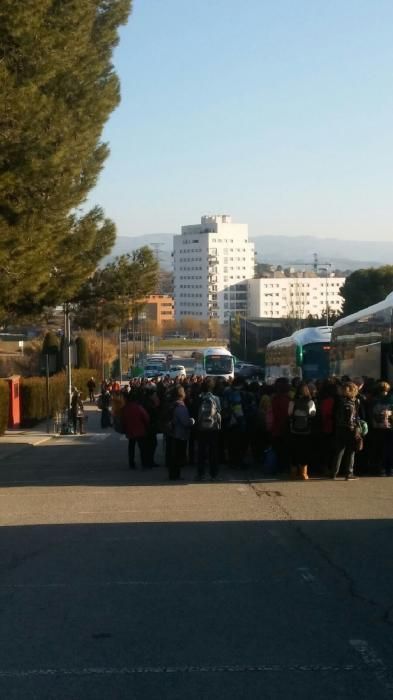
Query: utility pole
[67, 343]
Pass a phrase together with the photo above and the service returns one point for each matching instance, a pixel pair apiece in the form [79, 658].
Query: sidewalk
[13, 441]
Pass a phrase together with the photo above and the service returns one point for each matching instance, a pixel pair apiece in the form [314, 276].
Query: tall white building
[212, 262]
[294, 297]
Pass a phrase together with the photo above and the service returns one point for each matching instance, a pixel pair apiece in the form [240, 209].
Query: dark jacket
[76, 404]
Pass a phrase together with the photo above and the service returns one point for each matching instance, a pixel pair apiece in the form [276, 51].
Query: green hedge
[4, 406]
[33, 394]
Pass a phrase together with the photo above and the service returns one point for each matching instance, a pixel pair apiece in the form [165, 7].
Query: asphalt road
[117, 584]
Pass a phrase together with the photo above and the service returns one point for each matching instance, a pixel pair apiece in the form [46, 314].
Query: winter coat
[182, 423]
[135, 420]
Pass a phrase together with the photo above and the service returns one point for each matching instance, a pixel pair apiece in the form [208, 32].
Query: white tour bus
[214, 362]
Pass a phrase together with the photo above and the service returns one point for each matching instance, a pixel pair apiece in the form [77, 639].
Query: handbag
[362, 427]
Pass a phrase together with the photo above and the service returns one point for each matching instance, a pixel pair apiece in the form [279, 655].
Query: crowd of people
[325, 428]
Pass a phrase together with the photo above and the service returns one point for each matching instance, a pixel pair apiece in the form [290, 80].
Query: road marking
[134, 670]
[44, 439]
[372, 661]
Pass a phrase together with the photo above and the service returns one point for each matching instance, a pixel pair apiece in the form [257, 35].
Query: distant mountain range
[282, 250]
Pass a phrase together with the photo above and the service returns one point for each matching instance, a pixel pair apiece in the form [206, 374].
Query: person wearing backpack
[208, 425]
[347, 436]
[301, 411]
[382, 429]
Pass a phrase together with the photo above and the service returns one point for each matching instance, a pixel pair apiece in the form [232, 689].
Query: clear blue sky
[279, 112]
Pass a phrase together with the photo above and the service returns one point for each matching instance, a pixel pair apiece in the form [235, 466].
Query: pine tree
[58, 88]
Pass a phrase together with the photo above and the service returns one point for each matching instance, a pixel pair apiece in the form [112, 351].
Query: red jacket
[327, 415]
[136, 420]
[280, 403]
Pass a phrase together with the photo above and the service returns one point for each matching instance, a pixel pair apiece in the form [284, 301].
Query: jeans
[344, 454]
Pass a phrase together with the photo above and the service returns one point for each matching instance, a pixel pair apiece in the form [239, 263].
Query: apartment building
[160, 308]
[212, 262]
[295, 296]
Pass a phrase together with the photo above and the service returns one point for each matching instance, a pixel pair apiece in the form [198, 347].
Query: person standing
[91, 385]
[382, 425]
[235, 422]
[105, 404]
[208, 425]
[182, 424]
[77, 411]
[301, 411]
[347, 436]
[325, 436]
[135, 426]
[279, 409]
[151, 404]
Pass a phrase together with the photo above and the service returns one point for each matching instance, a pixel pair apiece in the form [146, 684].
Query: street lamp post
[67, 341]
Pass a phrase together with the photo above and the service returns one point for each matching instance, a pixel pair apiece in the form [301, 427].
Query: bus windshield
[218, 364]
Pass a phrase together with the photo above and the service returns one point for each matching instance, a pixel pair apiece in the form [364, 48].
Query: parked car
[177, 371]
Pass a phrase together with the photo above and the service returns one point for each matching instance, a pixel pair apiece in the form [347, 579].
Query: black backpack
[347, 413]
[300, 419]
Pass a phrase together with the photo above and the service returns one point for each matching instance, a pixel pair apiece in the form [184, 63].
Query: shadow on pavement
[197, 610]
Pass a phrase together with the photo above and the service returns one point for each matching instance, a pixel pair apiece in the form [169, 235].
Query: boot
[303, 473]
